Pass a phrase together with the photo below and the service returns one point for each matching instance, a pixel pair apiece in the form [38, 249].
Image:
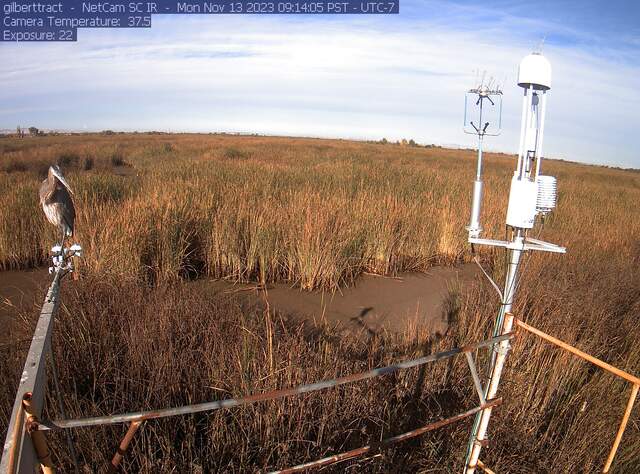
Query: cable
[493, 283]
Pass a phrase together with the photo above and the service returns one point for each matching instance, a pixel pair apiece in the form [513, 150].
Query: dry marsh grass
[316, 214]
[311, 213]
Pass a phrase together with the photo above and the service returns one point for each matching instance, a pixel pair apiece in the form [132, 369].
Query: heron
[55, 197]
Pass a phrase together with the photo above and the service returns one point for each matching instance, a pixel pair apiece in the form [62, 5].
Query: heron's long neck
[52, 183]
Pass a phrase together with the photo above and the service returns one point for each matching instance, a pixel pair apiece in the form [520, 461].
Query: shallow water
[21, 291]
[374, 304]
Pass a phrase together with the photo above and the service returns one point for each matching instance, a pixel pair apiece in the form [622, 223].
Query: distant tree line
[33, 131]
[405, 142]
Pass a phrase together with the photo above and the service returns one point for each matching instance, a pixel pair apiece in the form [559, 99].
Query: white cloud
[358, 78]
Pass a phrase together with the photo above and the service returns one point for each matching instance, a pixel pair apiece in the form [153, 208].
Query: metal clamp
[62, 258]
[503, 348]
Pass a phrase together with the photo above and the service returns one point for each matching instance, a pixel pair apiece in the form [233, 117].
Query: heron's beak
[62, 180]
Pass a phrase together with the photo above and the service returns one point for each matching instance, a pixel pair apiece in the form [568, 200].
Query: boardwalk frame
[19, 452]
[25, 449]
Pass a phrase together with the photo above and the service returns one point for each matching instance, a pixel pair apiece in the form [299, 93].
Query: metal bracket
[525, 244]
[62, 258]
[502, 349]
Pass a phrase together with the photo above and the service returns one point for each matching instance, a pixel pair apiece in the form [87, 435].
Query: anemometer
[486, 102]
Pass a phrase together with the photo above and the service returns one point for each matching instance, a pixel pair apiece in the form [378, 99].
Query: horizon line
[449, 146]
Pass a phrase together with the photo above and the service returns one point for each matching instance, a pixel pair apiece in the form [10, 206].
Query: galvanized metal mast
[531, 195]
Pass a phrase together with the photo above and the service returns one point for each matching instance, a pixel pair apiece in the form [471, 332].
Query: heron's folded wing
[65, 205]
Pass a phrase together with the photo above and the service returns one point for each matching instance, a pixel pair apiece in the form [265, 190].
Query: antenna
[484, 103]
[532, 194]
[538, 50]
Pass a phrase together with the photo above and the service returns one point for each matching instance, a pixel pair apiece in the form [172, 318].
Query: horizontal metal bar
[492, 242]
[527, 244]
[271, 395]
[388, 441]
[589, 358]
[546, 246]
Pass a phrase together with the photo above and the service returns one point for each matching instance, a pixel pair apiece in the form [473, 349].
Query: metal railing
[635, 382]
[26, 448]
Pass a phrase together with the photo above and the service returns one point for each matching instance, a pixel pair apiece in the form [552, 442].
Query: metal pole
[522, 132]
[474, 227]
[124, 445]
[623, 426]
[19, 452]
[504, 324]
[480, 136]
[479, 167]
[271, 395]
[543, 110]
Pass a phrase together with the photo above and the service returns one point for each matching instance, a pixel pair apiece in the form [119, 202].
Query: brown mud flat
[374, 304]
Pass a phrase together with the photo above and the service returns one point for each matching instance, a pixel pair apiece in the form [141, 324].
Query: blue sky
[363, 77]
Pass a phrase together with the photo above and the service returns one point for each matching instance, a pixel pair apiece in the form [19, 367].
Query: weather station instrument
[484, 101]
[63, 258]
[532, 196]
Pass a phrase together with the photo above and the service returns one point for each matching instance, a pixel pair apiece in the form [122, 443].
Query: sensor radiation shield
[526, 200]
[547, 193]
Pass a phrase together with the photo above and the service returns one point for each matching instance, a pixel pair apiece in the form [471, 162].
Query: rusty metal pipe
[42, 449]
[38, 438]
[16, 434]
[583, 355]
[621, 428]
[271, 395]
[124, 445]
[482, 466]
[388, 441]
